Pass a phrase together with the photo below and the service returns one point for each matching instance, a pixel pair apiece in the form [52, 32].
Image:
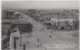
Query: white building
[66, 23]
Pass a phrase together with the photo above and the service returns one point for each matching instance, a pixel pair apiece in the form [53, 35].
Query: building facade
[68, 23]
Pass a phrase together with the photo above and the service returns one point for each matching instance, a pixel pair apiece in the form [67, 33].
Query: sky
[40, 4]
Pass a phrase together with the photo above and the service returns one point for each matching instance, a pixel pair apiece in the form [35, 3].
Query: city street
[60, 40]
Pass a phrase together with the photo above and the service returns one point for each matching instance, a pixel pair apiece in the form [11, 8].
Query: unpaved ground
[60, 40]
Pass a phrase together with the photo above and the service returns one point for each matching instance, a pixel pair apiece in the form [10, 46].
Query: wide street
[60, 40]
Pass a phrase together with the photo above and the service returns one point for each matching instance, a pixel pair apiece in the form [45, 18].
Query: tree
[26, 28]
[29, 28]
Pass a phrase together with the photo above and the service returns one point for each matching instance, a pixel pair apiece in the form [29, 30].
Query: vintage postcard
[40, 25]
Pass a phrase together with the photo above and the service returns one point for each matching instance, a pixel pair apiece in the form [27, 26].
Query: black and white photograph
[40, 25]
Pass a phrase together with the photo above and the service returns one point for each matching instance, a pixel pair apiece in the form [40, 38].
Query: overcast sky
[40, 4]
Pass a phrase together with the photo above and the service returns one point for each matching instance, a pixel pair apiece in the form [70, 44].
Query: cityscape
[40, 29]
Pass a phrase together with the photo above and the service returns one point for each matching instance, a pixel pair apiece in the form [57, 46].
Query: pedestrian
[24, 47]
[38, 40]
[42, 28]
[50, 36]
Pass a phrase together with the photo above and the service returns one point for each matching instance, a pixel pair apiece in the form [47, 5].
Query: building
[67, 23]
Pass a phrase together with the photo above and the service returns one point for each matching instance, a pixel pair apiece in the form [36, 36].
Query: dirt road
[62, 40]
